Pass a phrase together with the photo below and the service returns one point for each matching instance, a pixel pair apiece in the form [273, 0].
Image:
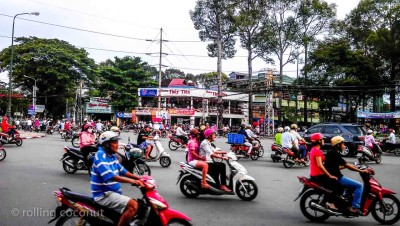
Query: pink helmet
[86, 126]
[208, 133]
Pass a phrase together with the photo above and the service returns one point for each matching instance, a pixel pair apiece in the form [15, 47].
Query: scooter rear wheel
[190, 186]
[396, 151]
[71, 219]
[255, 154]
[312, 196]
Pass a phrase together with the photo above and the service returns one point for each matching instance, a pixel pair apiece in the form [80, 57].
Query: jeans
[357, 187]
[303, 151]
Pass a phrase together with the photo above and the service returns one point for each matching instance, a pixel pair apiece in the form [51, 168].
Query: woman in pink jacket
[87, 140]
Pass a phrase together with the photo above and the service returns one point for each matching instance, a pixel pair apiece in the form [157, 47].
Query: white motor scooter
[241, 184]
[159, 154]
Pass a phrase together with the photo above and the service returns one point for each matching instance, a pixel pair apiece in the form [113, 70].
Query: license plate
[359, 154]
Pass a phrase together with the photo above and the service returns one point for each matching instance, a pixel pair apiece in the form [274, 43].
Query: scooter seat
[78, 197]
[88, 200]
[76, 150]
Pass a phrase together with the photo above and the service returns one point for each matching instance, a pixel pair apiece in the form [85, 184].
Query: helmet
[194, 132]
[369, 131]
[202, 127]
[287, 128]
[315, 137]
[280, 129]
[108, 136]
[243, 126]
[208, 133]
[146, 126]
[86, 127]
[337, 140]
[293, 126]
[114, 129]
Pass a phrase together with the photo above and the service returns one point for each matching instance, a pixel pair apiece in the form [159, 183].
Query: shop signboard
[98, 105]
[40, 108]
[148, 92]
[122, 114]
[141, 112]
[181, 111]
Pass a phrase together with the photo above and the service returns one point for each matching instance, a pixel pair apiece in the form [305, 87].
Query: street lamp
[33, 93]
[12, 59]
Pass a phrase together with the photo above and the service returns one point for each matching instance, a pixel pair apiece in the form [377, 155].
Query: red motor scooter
[175, 142]
[6, 139]
[81, 209]
[241, 151]
[381, 202]
[288, 158]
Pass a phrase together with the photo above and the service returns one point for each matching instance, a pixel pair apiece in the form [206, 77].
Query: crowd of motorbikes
[154, 210]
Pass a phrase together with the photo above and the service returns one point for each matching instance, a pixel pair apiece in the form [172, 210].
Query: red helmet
[315, 137]
[86, 127]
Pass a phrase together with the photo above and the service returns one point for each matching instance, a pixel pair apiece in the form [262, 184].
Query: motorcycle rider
[288, 141]
[106, 175]
[370, 141]
[297, 137]
[194, 159]
[7, 128]
[318, 173]
[251, 135]
[391, 140]
[278, 136]
[87, 141]
[248, 140]
[334, 162]
[143, 135]
[216, 169]
[181, 134]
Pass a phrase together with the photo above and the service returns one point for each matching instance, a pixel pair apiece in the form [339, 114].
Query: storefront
[99, 108]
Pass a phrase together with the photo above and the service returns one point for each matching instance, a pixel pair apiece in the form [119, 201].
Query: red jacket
[5, 126]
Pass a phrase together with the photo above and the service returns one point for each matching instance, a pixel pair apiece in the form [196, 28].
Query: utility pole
[159, 73]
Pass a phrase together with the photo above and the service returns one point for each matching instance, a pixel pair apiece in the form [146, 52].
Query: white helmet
[114, 129]
[287, 128]
[369, 131]
[280, 129]
[108, 136]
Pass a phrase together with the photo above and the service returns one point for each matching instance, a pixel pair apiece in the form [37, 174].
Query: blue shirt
[104, 168]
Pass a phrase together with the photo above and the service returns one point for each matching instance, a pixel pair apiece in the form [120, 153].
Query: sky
[127, 27]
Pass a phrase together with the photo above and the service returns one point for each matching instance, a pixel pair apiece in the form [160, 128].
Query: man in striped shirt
[106, 174]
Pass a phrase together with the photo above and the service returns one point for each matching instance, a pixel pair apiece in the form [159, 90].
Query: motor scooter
[277, 152]
[288, 159]
[80, 209]
[385, 147]
[241, 151]
[241, 184]
[6, 139]
[381, 202]
[3, 153]
[365, 154]
[158, 153]
[175, 142]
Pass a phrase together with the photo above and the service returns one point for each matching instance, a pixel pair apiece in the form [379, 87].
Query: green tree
[171, 73]
[315, 18]
[56, 65]
[120, 79]
[210, 79]
[279, 36]
[212, 19]
[375, 27]
[247, 19]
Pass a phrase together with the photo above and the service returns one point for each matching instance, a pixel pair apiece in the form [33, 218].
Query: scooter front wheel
[3, 154]
[388, 214]
[261, 151]
[18, 141]
[246, 190]
[396, 151]
[165, 161]
[173, 145]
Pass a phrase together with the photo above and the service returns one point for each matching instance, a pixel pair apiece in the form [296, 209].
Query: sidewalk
[30, 135]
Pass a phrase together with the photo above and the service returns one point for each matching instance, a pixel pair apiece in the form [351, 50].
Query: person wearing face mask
[87, 141]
